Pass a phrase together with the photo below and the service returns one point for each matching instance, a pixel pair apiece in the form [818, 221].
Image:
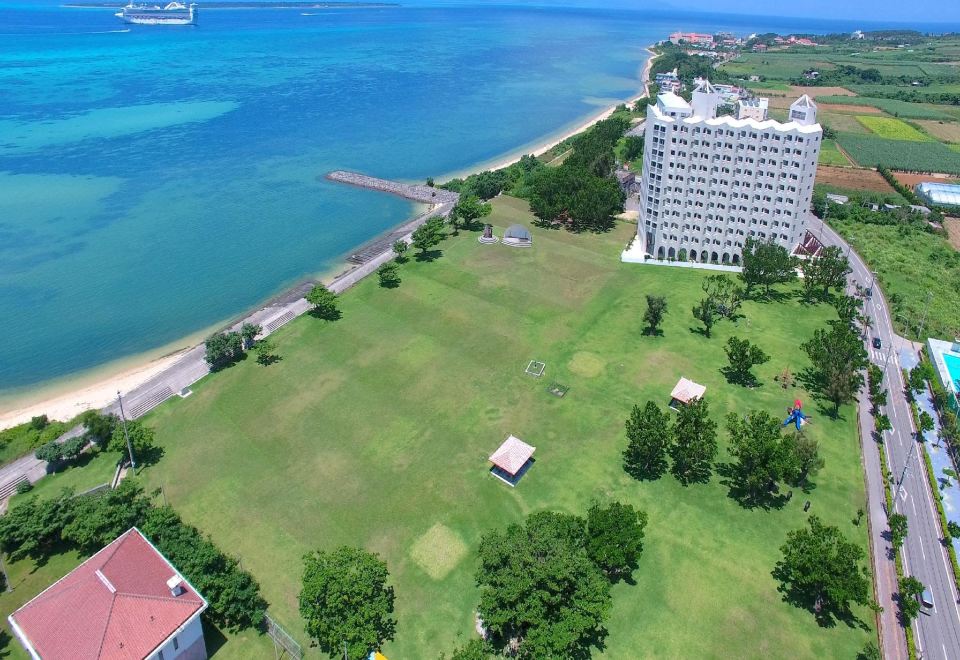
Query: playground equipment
[795, 415]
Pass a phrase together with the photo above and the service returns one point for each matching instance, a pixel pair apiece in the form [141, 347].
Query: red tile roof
[114, 605]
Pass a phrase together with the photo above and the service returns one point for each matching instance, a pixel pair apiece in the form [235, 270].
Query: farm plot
[890, 106]
[893, 129]
[847, 178]
[872, 150]
[947, 131]
[843, 122]
[831, 155]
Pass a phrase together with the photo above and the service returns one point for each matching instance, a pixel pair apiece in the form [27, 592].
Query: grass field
[375, 431]
[872, 150]
[893, 107]
[831, 155]
[838, 121]
[911, 264]
[893, 129]
[92, 470]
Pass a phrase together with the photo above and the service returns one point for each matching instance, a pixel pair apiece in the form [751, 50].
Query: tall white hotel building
[711, 182]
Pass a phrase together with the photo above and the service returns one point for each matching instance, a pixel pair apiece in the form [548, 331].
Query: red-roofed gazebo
[511, 460]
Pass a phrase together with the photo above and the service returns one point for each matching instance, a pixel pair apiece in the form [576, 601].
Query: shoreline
[64, 398]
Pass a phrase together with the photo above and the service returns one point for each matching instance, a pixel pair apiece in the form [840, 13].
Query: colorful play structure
[795, 415]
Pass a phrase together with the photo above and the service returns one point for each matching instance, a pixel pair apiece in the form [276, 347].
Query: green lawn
[831, 155]
[374, 430]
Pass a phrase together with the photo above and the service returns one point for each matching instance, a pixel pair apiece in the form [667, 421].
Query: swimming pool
[952, 360]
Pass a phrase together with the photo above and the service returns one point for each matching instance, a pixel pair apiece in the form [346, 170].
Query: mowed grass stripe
[375, 429]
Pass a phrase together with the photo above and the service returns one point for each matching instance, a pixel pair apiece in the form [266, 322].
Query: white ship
[175, 13]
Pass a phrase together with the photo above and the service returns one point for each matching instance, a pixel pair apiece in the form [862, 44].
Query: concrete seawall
[414, 192]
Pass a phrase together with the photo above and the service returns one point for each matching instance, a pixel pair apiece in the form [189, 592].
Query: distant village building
[755, 109]
[857, 34]
[126, 601]
[694, 38]
[811, 74]
[760, 48]
[711, 182]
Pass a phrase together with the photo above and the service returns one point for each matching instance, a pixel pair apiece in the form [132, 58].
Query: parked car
[877, 343]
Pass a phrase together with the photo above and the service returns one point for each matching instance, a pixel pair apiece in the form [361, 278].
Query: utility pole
[123, 422]
[923, 319]
[6, 578]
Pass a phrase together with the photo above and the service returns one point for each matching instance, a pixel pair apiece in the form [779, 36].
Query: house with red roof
[125, 602]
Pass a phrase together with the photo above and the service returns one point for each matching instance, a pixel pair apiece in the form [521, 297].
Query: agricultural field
[853, 179]
[842, 122]
[890, 106]
[831, 155]
[872, 150]
[374, 430]
[941, 130]
[893, 129]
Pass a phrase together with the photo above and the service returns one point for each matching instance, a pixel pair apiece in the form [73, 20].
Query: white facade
[186, 644]
[711, 182]
[755, 109]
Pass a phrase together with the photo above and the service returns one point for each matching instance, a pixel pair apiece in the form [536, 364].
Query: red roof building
[125, 602]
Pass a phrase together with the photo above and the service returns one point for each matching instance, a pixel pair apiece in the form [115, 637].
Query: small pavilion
[512, 460]
[685, 392]
[517, 236]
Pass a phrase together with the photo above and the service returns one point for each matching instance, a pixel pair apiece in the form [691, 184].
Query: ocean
[156, 181]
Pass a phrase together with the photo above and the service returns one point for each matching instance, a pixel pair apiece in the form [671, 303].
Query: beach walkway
[191, 367]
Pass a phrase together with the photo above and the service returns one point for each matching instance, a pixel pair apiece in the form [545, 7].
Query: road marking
[922, 551]
[913, 502]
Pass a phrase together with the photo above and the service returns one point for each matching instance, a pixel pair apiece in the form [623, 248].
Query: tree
[953, 529]
[326, 304]
[98, 426]
[475, 649]
[870, 651]
[540, 591]
[633, 147]
[249, 332]
[910, 589]
[648, 436]
[743, 356]
[764, 264]
[400, 248]
[837, 356]
[822, 571]
[389, 275]
[898, 529]
[428, 235]
[345, 599]
[882, 423]
[615, 538]
[803, 458]
[266, 350]
[725, 294]
[925, 422]
[468, 209]
[656, 309]
[51, 452]
[823, 272]
[705, 312]
[763, 456]
[141, 439]
[223, 348]
[694, 443]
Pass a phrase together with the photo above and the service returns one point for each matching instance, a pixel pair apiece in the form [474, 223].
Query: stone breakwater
[414, 192]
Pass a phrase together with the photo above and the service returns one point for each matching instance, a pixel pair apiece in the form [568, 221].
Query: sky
[919, 11]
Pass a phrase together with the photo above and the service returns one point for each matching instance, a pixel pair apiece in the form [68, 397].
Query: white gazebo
[512, 460]
[685, 392]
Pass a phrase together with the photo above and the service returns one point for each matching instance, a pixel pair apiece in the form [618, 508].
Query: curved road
[937, 631]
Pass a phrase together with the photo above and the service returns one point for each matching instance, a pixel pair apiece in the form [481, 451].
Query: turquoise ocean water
[157, 180]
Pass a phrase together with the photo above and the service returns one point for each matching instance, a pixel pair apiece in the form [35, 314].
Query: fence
[283, 643]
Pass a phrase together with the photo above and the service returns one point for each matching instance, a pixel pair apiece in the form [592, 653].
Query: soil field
[952, 225]
[855, 179]
[911, 180]
[841, 122]
[784, 99]
[947, 131]
[846, 107]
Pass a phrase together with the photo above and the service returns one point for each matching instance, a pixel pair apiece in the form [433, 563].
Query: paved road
[937, 634]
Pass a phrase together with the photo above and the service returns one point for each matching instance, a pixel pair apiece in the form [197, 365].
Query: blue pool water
[155, 181]
[952, 361]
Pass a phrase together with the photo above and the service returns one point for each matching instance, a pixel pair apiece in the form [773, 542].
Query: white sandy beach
[102, 386]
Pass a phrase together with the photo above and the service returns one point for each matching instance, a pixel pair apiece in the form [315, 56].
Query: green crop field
[374, 430]
[890, 106]
[872, 150]
[892, 129]
[831, 155]
[841, 122]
